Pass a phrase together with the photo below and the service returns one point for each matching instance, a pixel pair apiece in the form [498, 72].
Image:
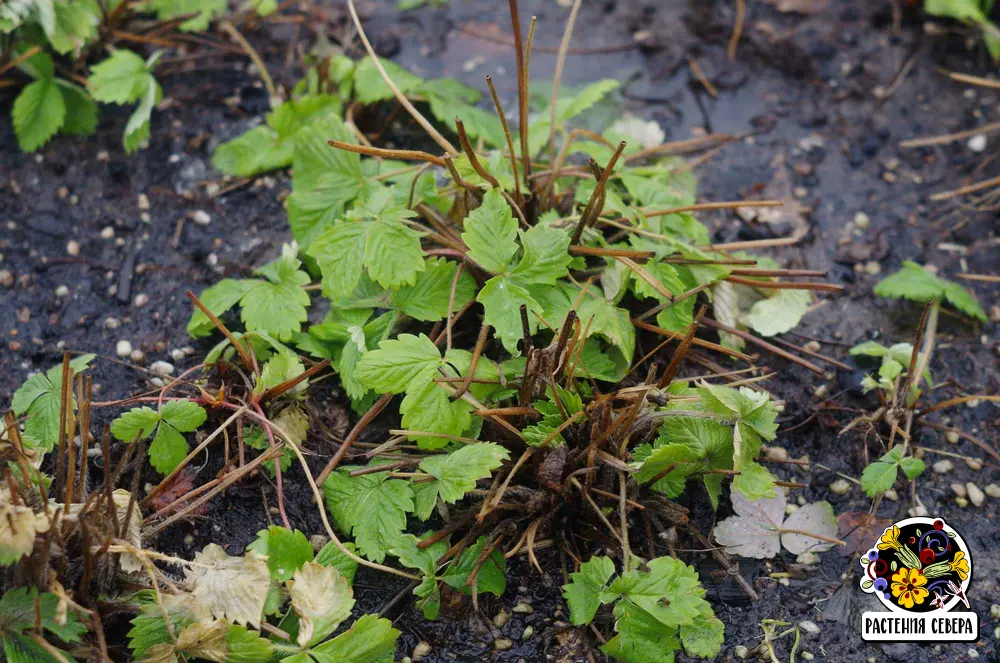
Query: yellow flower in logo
[908, 587]
[890, 539]
[960, 565]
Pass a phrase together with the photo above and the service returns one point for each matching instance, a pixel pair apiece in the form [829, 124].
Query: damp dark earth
[815, 103]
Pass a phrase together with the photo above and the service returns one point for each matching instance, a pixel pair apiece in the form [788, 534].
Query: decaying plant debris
[501, 298]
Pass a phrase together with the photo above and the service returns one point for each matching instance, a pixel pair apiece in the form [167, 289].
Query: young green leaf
[277, 305]
[492, 576]
[169, 447]
[38, 113]
[372, 507]
[398, 363]
[502, 298]
[286, 550]
[916, 283]
[40, 396]
[491, 233]
[24, 609]
[583, 593]
[457, 473]
[332, 555]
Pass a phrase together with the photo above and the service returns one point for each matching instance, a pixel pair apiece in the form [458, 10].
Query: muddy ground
[825, 100]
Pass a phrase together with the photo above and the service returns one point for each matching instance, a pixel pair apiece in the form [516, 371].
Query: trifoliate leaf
[399, 362]
[322, 599]
[286, 550]
[546, 256]
[372, 507]
[370, 640]
[916, 283]
[502, 298]
[19, 609]
[230, 588]
[458, 472]
[668, 591]
[491, 233]
[881, 475]
[583, 593]
[37, 114]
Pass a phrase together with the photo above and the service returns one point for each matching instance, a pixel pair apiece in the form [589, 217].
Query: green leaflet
[372, 507]
[916, 283]
[40, 396]
[881, 475]
[17, 623]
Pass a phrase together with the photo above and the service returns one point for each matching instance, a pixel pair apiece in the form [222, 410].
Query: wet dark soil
[825, 100]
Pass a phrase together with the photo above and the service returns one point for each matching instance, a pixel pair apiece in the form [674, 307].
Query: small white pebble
[976, 494]
[813, 346]
[177, 354]
[503, 644]
[918, 511]
[972, 653]
[529, 631]
[791, 508]
[523, 608]
[6, 278]
[143, 201]
[962, 502]
[974, 463]
[992, 489]
[124, 348]
[959, 490]
[952, 437]
[501, 618]
[422, 650]
[809, 627]
[113, 323]
[73, 247]
[974, 403]
[62, 291]
[741, 652]
[137, 356]
[943, 466]
[891, 495]
[108, 232]
[861, 220]
[977, 143]
[995, 612]
[807, 656]
[201, 217]
[141, 300]
[162, 368]
[840, 487]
